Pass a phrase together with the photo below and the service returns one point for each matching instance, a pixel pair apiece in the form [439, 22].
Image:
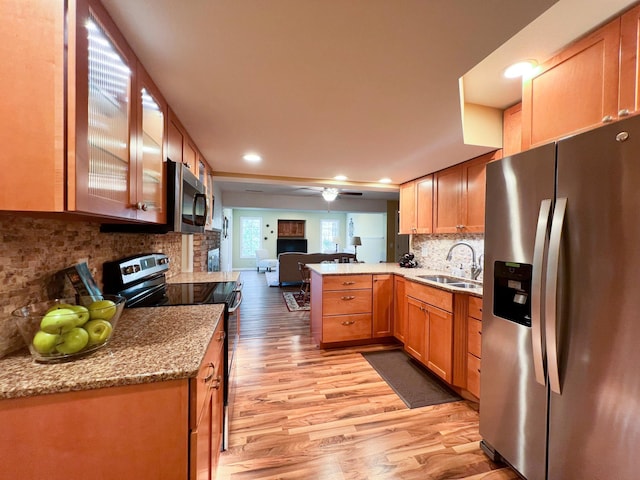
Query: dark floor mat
[416, 386]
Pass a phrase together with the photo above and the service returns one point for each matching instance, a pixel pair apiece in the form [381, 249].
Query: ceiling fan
[331, 193]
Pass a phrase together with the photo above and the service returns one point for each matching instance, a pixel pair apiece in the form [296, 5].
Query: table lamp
[355, 241]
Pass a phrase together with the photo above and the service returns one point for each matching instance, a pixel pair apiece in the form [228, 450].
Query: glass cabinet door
[108, 129]
[150, 155]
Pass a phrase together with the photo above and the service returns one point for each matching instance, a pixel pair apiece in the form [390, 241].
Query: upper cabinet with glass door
[102, 179]
[86, 128]
[152, 114]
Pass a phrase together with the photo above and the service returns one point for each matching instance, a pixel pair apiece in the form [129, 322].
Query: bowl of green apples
[67, 328]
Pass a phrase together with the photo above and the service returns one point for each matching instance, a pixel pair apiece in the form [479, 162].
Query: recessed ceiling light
[384, 180]
[252, 157]
[340, 178]
[521, 69]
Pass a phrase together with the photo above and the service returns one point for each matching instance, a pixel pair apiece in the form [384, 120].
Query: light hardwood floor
[304, 413]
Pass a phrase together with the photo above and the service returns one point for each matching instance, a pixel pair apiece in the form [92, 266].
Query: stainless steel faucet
[476, 269]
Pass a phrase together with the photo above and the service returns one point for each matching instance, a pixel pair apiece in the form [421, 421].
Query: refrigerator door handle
[551, 294]
[539, 249]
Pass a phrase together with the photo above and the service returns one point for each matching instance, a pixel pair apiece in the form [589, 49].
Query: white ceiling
[363, 88]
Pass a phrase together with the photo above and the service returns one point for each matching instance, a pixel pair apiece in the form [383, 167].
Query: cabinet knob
[222, 336]
[607, 119]
[349, 322]
[624, 112]
[141, 206]
[216, 383]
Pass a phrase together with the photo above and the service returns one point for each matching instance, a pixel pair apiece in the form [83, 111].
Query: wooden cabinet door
[447, 198]
[176, 139]
[151, 145]
[407, 208]
[399, 307]
[512, 130]
[575, 91]
[32, 123]
[629, 98]
[190, 157]
[473, 192]
[424, 205]
[440, 345]
[382, 305]
[102, 119]
[417, 329]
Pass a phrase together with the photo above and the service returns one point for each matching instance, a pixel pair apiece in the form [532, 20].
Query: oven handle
[237, 302]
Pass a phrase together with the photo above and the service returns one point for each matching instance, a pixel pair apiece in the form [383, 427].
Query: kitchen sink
[441, 279]
[450, 281]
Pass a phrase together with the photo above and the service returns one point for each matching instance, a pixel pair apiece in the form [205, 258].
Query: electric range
[141, 279]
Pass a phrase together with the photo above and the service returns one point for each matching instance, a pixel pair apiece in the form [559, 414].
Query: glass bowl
[67, 328]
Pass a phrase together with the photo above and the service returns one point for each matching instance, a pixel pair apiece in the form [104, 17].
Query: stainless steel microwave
[186, 205]
[186, 200]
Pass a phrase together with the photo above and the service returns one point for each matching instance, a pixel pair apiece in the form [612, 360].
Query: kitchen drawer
[474, 336]
[340, 328]
[346, 282]
[433, 296]
[211, 369]
[473, 374]
[475, 307]
[346, 302]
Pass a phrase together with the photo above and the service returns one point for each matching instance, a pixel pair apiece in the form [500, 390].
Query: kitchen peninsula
[113, 410]
[438, 323]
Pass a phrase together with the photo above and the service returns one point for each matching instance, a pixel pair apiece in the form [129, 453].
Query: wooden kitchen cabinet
[575, 90]
[399, 308]
[416, 206]
[417, 331]
[629, 98]
[151, 145]
[206, 414]
[459, 196]
[383, 304]
[512, 130]
[429, 335]
[77, 149]
[474, 345]
[181, 149]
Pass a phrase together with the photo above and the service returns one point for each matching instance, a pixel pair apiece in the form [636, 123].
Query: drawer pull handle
[347, 297]
[222, 336]
[218, 382]
[348, 322]
[212, 372]
[348, 283]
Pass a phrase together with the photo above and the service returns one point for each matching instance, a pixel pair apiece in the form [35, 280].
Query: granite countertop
[409, 273]
[204, 277]
[148, 345]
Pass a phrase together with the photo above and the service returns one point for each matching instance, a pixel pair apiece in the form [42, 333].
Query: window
[328, 232]
[250, 236]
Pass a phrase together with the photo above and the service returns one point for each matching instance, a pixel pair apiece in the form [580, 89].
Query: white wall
[372, 230]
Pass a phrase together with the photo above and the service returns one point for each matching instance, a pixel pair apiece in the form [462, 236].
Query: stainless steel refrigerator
[560, 371]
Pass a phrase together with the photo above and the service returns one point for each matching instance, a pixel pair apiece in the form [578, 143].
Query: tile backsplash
[33, 251]
[431, 251]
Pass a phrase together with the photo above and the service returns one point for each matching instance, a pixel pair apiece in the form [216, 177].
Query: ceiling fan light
[330, 194]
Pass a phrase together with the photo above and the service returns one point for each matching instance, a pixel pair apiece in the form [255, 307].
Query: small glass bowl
[57, 338]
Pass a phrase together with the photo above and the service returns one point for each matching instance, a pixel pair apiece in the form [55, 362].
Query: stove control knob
[127, 270]
[163, 261]
[136, 268]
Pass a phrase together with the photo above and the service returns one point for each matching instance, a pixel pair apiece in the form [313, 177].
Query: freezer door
[594, 424]
[513, 414]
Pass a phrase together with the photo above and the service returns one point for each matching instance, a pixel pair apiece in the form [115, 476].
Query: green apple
[59, 320]
[82, 312]
[44, 342]
[99, 331]
[102, 309]
[73, 341]
[58, 306]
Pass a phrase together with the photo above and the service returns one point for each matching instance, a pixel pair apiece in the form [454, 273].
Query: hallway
[304, 413]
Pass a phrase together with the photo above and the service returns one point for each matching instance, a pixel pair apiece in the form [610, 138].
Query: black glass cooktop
[189, 294]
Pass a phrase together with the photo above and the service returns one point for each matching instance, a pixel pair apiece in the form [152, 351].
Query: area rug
[272, 278]
[416, 386]
[295, 302]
